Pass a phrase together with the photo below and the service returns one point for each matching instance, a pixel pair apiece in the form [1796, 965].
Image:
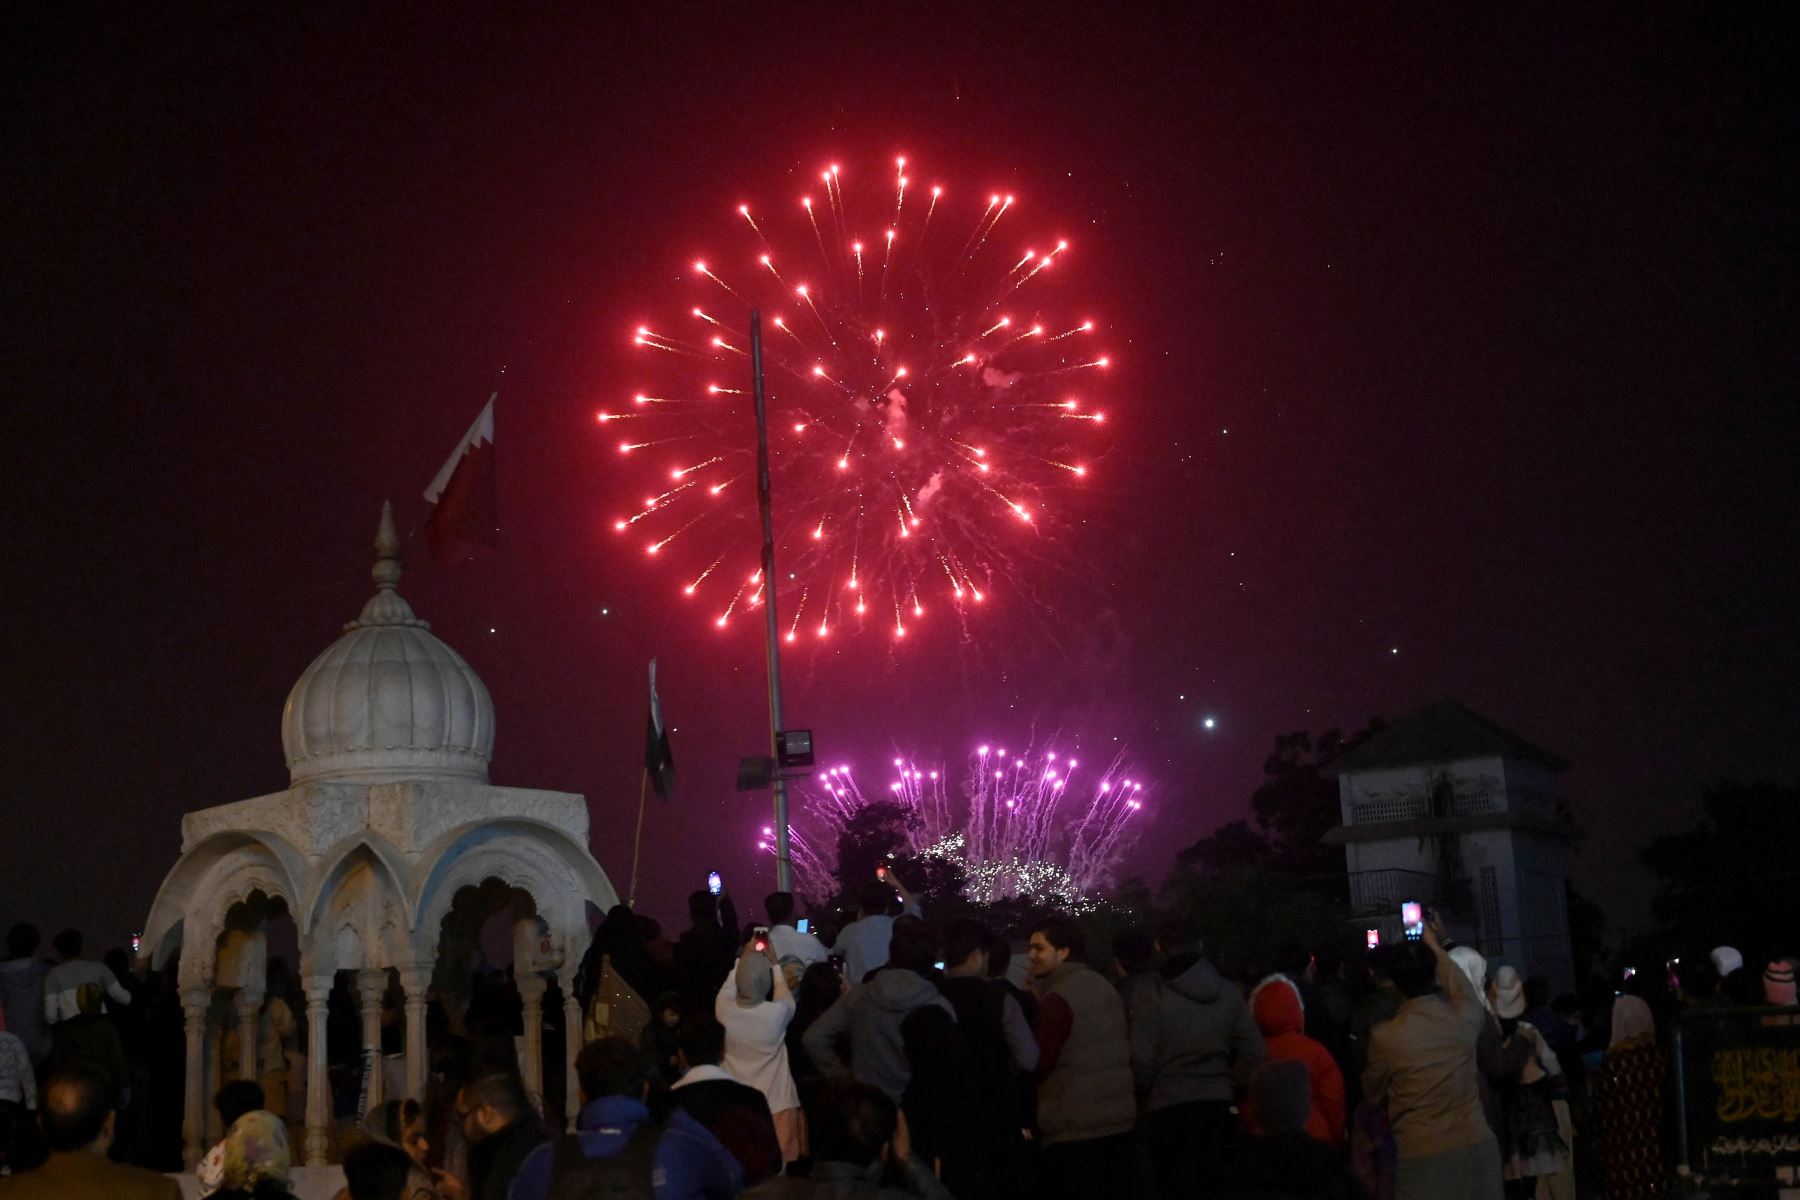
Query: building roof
[388, 700]
[1442, 731]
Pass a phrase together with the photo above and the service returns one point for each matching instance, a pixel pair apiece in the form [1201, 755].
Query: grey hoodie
[870, 1016]
[1192, 1038]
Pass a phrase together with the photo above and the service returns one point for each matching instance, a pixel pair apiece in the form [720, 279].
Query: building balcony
[1383, 892]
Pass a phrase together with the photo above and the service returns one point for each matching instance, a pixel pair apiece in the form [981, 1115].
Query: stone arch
[331, 871]
[358, 914]
[199, 871]
[538, 859]
[232, 881]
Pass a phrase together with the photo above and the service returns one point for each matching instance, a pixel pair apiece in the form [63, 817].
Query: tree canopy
[1732, 877]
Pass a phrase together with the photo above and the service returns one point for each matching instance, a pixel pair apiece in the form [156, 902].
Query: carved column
[415, 980]
[371, 986]
[531, 993]
[248, 1005]
[571, 1043]
[318, 1086]
[215, 1066]
[194, 1002]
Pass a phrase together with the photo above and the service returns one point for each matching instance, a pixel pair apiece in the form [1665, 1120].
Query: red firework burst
[924, 413]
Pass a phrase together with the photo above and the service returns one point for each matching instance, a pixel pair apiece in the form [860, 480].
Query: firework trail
[925, 413]
[812, 871]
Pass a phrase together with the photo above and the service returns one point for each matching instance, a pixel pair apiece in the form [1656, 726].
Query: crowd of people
[894, 1058]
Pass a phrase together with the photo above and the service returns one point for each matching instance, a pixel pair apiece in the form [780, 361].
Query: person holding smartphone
[1422, 1072]
[707, 949]
[864, 942]
[791, 945]
[755, 1007]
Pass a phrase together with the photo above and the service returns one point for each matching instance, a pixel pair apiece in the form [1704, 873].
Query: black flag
[659, 760]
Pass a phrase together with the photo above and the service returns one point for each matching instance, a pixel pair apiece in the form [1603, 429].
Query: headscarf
[388, 1123]
[257, 1149]
[1469, 961]
[1726, 959]
[755, 977]
[1631, 1019]
[1509, 995]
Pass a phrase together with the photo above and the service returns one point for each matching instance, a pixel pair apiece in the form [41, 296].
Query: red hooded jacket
[1276, 1006]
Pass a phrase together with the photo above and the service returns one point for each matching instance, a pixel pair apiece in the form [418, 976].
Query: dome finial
[387, 551]
[386, 607]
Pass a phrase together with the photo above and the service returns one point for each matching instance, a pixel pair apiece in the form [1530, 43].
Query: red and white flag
[464, 509]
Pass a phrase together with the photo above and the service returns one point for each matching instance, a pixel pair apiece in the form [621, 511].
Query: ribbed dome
[387, 700]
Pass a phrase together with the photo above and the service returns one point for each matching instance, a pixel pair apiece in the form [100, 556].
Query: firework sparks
[919, 398]
[1035, 824]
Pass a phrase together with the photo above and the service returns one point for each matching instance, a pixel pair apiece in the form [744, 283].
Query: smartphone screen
[761, 933]
[803, 925]
[715, 883]
[1373, 938]
[1412, 915]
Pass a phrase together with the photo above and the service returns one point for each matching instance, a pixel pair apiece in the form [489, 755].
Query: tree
[1732, 878]
[879, 835]
[1231, 844]
[1250, 913]
[1295, 807]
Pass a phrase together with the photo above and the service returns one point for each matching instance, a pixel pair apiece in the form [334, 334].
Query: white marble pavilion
[388, 816]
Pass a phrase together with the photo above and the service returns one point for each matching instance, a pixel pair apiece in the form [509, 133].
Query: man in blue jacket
[679, 1161]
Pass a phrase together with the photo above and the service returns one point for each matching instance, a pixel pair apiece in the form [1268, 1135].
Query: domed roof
[388, 700]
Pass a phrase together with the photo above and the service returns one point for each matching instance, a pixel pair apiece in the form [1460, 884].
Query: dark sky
[1497, 306]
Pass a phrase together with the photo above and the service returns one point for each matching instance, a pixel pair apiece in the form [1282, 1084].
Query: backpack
[627, 1175]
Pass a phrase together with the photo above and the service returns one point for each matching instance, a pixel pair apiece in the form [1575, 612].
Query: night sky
[1455, 354]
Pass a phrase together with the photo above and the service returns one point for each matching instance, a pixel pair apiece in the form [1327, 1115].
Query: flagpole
[637, 839]
[784, 867]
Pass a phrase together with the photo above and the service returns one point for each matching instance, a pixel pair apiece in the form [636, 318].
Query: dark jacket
[496, 1158]
[1192, 1037]
[92, 1041]
[22, 997]
[983, 1010]
[951, 1116]
[1084, 1083]
[1287, 1166]
[704, 955]
[736, 1114]
[845, 1181]
[870, 1017]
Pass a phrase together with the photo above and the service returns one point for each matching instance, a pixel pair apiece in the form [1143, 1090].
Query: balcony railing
[1374, 892]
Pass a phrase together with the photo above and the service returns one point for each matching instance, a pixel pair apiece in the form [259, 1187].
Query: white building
[1447, 808]
[389, 850]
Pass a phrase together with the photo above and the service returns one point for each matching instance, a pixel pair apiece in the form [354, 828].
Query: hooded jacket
[1279, 1014]
[870, 1017]
[1192, 1038]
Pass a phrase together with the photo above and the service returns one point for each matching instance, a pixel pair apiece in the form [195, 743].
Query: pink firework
[932, 398]
[1034, 808]
[1033, 823]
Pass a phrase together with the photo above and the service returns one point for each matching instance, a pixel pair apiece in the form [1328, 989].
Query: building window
[1493, 940]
